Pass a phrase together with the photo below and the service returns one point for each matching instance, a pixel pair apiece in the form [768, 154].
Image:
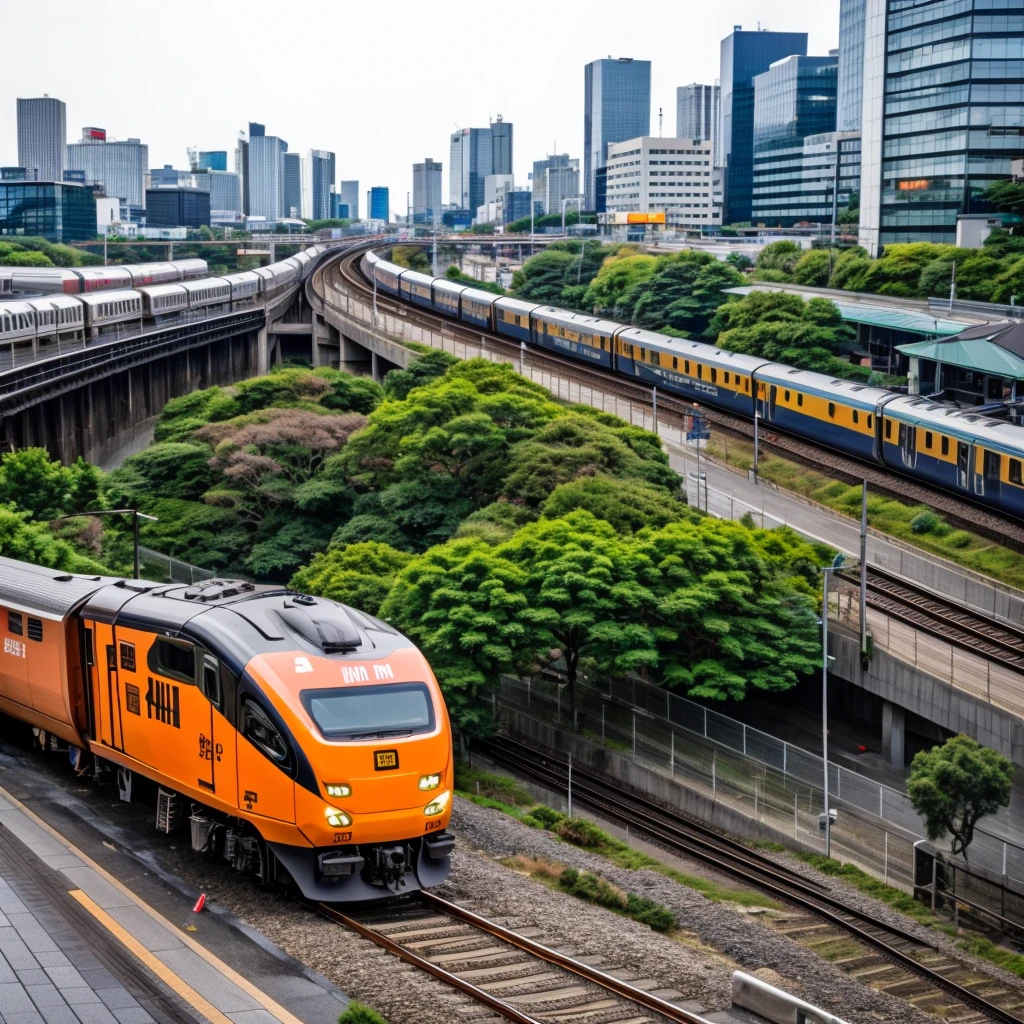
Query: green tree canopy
[627, 504]
[422, 369]
[359, 575]
[619, 275]
[784, 256]
[411, 256]
[1006, 196]
[955, 785]
[813, 267]
[44, 488]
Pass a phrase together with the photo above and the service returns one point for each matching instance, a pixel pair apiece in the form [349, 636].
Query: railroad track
[948, 622]
[509, 972]
[965, 514]
[887, 958]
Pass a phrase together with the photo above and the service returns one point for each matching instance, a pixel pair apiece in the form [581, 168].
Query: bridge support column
[894, 730]
[263, 351]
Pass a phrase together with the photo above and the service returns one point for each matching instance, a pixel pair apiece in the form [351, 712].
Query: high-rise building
[378, 203]
[169, 177]
[616, 107]
[657, 175]
[177, 208]
[539, 179]
[501, 146]
[242, 170]
[263, 178]
[517, 204]
[292, 178]
[42, 136]
[796, 146]
[54, 210]
[697, 112]
[744, 55]
[475, 153]
[561, 182]
[850, 96]
[225, 193]
[119, 168]
[212, 160]
[317, 184]
[426, 191]
[350, 198]
[942, 116]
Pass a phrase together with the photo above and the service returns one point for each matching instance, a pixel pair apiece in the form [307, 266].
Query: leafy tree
[359, 575]
[954, 785]
[15, 256]
[1009, 284]
[34, 542]
[976, 272]
[170, 469]
[482, 229]
[411, 256]
[619, 275]
[850, 269]
[628, 505]
[1001, 244]
[813, 268]
[739, 260]
[454, 274]
[44, 488]
[782, 256]
[683, 293]
[543, 276]
[783, 328]
[423, 369]
[1006, 196]
[495, 523]
[898, 270]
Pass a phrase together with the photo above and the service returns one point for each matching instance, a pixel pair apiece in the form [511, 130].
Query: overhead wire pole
[119, 512]
[864, 574]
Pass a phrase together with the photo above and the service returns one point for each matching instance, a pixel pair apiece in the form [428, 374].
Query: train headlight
[338, 789]
[336, 818]
[437, 805]
[428, 782]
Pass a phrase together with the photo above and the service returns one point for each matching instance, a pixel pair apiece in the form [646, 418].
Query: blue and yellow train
[965, 452]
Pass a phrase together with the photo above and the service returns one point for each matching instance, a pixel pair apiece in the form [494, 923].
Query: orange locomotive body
[314, 737]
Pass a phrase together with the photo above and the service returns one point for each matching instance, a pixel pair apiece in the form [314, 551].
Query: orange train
[311, 739]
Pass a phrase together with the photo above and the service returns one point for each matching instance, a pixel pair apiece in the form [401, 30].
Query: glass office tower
[698, 115]
[56, 211]
[350, 198]
[851, 65]
[291, 201]
[379, 203]
[426, 191]
[42, 136]
[616, 107]
[744, 55]
[943, 113]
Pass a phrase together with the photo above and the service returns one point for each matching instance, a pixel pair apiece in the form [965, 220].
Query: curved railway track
[888, 958]
[509, 972]
[966, 514]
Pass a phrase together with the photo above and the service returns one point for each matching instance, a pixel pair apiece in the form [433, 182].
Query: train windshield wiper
[379, 735]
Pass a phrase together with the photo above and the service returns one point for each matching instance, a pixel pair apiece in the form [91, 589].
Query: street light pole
[837, 564]
[134, 512]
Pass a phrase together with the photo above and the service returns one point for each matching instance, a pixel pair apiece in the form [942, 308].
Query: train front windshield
[371, 712]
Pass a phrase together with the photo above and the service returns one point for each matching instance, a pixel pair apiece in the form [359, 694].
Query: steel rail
[622, 806]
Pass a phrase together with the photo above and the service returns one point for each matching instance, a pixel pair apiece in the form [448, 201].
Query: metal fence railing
[157, 565]
[758, 774]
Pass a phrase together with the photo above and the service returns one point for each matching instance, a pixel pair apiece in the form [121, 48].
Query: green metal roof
[977, 354]
[910, 320]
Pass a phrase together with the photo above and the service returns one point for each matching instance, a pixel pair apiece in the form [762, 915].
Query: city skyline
[210, 103]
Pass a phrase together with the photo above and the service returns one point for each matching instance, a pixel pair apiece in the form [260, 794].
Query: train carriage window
[35, 629]
[643, 355]
[127, 656]
[687, 365]
[725, 377]
[14, 623]
[785, 396]
[832, 410]
[211, 680]
[700, 372]
[888, 430]
[869, 420]
[928, 439]
[746, 384]
[992, 464]
[799, 398]
[656, 359]
[173, 658]
[675, 362]
[945, 446]
[1015, 474]
[714, 375]
[856, 416]
[257, 727]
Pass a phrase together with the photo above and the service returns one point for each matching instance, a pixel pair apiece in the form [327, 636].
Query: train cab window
[257, 727]
[928, 439]
[945, 446]
[1015, 474]
[832, 410]
[127, 656]
[174, 659]
[35, 629]
[14, 624]
[211, 680]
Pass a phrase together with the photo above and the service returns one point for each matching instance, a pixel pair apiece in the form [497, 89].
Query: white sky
[381, 83]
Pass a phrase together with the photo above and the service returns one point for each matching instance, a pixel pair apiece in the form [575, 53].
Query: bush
[594, 889]
[652, 914]
[924, 522]
[581, 832]
[959, 539]
[548, 817]
[359, 1013]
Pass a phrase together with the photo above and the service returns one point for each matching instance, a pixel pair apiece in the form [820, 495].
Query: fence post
[885, 876]
[744, 739]
[672, 750]
[714, 781]
[785, 752]
[881, 801]
[602, 723]
[796, 815]
[634, 734]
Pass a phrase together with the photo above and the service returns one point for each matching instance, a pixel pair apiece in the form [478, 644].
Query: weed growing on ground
[984, 948]
[358, 1013]
[472, 782]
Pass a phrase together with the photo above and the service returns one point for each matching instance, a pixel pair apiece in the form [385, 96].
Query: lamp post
[119, 512]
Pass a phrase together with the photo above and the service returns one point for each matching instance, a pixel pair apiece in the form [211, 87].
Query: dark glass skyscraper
[943, 113]
[58, 212]
[616, 107]
[379, 203]
[291, 201]
[744, 55]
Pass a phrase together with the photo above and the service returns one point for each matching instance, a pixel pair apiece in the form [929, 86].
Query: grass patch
[594, 889]
[915, 524]
[896, 898]
[500, 789]
[359, 1013]
[984, 948]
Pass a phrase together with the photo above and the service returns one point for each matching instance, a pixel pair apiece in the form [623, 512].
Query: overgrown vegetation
[458, 277]
[360, 1013]
[38, 252]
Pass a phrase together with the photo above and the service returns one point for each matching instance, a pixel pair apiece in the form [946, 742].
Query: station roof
[994, 348]
[898, 318]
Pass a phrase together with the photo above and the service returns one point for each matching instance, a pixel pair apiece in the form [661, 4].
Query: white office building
[670, 176]
[118, 167]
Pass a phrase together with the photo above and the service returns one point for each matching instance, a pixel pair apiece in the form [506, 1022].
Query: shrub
[548, 817]
[652, 914]
[924, 522]
[358, 1013]
[959, 539]
[581, 832]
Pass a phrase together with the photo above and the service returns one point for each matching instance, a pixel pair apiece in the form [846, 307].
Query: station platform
[81, 946]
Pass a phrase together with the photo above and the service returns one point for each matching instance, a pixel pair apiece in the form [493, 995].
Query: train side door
[265, 763]
[908, 445]
[105, 687]
[963, 464]
[773, 394]
[215, 741]
[977, 469]
[991, 465]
